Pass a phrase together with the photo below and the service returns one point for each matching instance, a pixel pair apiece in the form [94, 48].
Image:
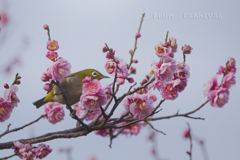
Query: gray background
[82, 28]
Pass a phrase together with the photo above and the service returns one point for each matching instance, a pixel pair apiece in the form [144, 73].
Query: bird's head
[92, 73]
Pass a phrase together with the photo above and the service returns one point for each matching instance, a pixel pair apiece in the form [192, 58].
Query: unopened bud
[165, 45]
[188, 152]
[147, 76]
[17, 82]
[104, 49]
[131, 51]
[153, 151]
[138, 35]
[19, 77]
[158, 65]
[130, 80]
[186, 49]
[47, 87]
[144, 81]
[6, 86]
[46, 27]
[186, 133]
[132, 70]
[201, 141]
[135, 61]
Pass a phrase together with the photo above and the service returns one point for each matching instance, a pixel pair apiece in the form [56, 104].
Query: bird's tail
[39, 103]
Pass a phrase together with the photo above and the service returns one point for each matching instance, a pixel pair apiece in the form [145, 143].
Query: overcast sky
[83, 27]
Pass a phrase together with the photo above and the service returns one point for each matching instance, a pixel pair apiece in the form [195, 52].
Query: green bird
[71, 86]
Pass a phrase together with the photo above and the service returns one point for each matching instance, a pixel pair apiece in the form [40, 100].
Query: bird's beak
[102, 76]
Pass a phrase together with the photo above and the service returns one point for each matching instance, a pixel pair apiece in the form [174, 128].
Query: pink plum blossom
[92, 101]
[101, 132]
[10, 96]
[92, 86]
[87, 79]
[108, 89]
[169, 92]
[24, 152]
[211, 85]
[122, 68]
[182, 71]
[187, 49]
[60, 69]
[82, 111]
[52, 45]
[221, 70]
[228, 80]
[218, 98]
[127, 101]
[163, 51]
[165, 72]
[42, 151]
[110, 66]
[157, 84]
[5, 110]
[54, 111]
[142, 105]
[52, 55]
[179, 84]
[46, 75]
[173, 43]
[231, 62]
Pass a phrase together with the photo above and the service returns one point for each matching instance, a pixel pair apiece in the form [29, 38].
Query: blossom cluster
[93, 96]
[140, 103]
[116, 66]
[55, 112]
[218, 95]
[27, 152]
[170, 77]
[60, 67]
[9, 100]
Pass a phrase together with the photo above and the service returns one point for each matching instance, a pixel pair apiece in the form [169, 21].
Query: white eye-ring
[94, 74]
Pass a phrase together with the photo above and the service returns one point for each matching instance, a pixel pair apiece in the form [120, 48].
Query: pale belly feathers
[73, 90]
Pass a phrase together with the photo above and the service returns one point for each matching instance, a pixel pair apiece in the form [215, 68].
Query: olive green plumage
[72, 87]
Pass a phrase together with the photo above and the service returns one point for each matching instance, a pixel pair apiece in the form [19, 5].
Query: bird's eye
[94, 74]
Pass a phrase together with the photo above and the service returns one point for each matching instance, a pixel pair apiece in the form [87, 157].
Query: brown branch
[16, 129]
[190, 139]
[8, 157]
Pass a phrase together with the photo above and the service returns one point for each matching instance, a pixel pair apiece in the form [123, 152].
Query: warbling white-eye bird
[71, 86]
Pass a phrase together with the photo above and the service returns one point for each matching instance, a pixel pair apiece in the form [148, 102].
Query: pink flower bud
[153, 151]
[201, 141]
[135, 61]
[131, 51]
[120, 81]
[165, 45]
[132, 70]
[47, 87]
[144, 81]
[186, 133]
[17, 82]
[45, 27]
[158, 65]
[138, 35]
[188, 152]
[104, 49]
[147, 76]
[130, 80]
[6, 86]
[19, 77]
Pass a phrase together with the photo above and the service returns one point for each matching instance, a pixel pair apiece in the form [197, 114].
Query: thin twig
[16, 129]
[154, 128]
[190, 138]
[135, 44]
[103, 112]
